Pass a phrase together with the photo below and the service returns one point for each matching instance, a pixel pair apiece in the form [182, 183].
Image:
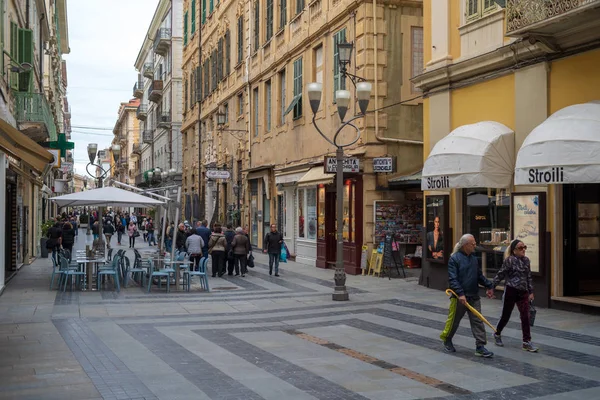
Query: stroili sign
[553, 175]
[437, 182]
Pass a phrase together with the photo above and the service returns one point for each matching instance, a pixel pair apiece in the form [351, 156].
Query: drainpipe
[376, 83]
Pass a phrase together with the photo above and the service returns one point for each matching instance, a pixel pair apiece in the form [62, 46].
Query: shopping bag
[283, 255]
[250, 262]
[532, 312]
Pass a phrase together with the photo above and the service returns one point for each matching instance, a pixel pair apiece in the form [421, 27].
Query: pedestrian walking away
[272, 246]
[109, 230]
[120, 231]
[229, 235]
[204, 233]
[464, 275]
[241, 247]
[216, 248]
[68, 238]
[194, 245]
[516, 273]
[150, 232]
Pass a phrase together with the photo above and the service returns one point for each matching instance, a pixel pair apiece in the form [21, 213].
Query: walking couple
[464, 275]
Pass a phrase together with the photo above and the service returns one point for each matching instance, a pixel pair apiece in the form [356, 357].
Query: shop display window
[307, 213]
[321, 213]
[352, 225]
[301, 213]
[346, 208]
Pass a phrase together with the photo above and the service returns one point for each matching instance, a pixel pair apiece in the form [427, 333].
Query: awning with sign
[289, 177]
[316, 176]
[20, 146]
[563, 149]
[406, 180]
[476, 155]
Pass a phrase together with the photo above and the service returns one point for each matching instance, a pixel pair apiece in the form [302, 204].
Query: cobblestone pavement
[263, 337]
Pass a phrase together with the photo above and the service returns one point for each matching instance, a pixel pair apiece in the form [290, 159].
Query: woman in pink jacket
[131, 231]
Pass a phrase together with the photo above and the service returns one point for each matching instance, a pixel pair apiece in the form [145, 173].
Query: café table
[178, 267]
[89, 272]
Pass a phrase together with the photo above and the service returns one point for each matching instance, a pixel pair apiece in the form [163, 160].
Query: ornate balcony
[155, 91]
[142, 112]
[147, 136]
[565, 23]
[148, 70]
[162, 41]
[138, 88]
[34, 117]
[164, 119]
[136, 149]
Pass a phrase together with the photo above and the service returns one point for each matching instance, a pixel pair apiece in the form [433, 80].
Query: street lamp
[343, 97]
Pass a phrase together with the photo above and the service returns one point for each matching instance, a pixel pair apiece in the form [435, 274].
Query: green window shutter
[193, 10]
[185, 28]
[220, 74]
[14, 50]
[298, 88]
[25, 56]
[282, 13]
[227, 53]
[269, 32]
[198, 84]
[240, 40]
[2, 33]
[256, 25]
[211, 4]
[203, 12]
[338, 82]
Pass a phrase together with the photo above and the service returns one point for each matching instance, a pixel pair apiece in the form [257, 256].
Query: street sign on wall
[383, 164]
[350, 165]
[217, 174]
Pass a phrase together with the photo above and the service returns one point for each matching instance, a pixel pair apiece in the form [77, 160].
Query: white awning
[477, 155]
[563, 149]
[316, 176]
[106, 196]
[290, 177]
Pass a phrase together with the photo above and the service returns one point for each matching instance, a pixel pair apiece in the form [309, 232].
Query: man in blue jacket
[203, 231]
[464, 277]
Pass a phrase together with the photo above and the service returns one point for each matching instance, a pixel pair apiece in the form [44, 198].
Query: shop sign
[350, 165]
[66, 166]
[217, 174]
[383, 164]
[435, 182]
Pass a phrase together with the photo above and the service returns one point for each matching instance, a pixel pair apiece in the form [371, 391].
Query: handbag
[283, 255]
[136, 233]
[532, 312]
[250, 262]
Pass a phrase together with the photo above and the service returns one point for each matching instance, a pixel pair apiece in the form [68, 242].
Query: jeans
[195, 259]
[151, 238]
[69, 247]
[119, 236]
[274, 258]
[168, 244]
[241, 261]
[513, 296]
[218, 262]
[230, 265]
[95, 236]
[108, 238]
[131, 241]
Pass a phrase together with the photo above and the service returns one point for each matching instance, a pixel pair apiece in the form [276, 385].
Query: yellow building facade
[127, 135]
[498, 162]
[265, 137]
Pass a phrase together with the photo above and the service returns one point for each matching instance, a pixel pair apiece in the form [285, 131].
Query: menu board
[526, 225]
[400, 220]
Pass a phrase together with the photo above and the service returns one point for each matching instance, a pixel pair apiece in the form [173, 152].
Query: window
[301, 227]
[256, 26]
[185, 29]
[298, 88]
[193, 10]
[206, 68]
[339, 82]
[318, 64]
[282, 103]
[299, 6]
[213, 67]
[185, 95]
[203, 12]
[198, 84]
[227, 53]
[240, 39]
[192, 84]
[269, 31]
[255, 101]
[307, 213]
[282, 13]
[417, 53]
[240, 102]
[268, 106]
[211, 6]
[226, 112]
[220, 60]
[477, 8]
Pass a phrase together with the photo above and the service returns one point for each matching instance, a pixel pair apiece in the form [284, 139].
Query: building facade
[159, 89]
[511, 127]
[247, 67]
[127, 135]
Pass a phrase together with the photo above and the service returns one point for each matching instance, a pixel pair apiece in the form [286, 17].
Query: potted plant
[45, 227]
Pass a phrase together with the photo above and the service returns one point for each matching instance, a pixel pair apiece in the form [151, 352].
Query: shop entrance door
[330, 229]
[581, 265]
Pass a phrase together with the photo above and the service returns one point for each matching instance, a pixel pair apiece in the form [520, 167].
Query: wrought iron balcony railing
[147, 136]
[136, 148]
[163, 119]
[162, 40]
[142, 112]
[33, 114]
[521, 14]
[155, 90]
[148, 70]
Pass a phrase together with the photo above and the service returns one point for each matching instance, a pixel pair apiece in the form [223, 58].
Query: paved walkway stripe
[427, 380]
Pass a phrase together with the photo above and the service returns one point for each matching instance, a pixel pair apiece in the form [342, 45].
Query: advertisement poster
[526, 226]
[436, 211]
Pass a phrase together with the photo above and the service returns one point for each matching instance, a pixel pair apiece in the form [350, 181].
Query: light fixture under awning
[479, 155]
[563, 149]
[316, 176]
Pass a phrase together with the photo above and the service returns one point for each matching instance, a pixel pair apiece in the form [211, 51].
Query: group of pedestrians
[62, 234]
[465, 275]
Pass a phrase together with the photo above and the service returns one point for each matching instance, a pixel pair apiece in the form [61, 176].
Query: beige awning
[290, 177]
[316, 176]
[22, 147]
[264, 175]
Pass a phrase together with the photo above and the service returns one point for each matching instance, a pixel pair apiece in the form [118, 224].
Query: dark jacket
[181, 238]
[109, 229]
[241, 244]
[229, 235]
[68, 236]
[204, 233]
[464, 275]
[121, 228]
[273, 242]
[516, 272]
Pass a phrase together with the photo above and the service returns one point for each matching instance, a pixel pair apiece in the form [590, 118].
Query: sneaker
[498, 340]
[528, 346]
[276, 274]
[481, 351]
[270, 272]
[449, 347]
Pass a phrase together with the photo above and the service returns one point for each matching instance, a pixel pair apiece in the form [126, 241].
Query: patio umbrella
[106, 196]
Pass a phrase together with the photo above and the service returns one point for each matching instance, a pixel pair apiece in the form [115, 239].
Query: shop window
[353, 205]
[311, 213]
[321, 213]
[487, 218]
[346, 208]
[301, 213]
[254, 212]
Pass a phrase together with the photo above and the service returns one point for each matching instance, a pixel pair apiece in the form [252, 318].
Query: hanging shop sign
[66, 167]
[217, 174]
[350, 165]
[384, 164]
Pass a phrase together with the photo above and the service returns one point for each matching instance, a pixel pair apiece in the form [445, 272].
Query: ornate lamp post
[363, 94]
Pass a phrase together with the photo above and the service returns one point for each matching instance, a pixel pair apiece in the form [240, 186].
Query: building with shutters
[159, 89]
[252, 116]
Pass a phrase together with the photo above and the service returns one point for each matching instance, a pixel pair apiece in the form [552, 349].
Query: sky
[105, 37]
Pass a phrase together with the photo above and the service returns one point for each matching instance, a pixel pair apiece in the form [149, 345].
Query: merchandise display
[401, 220]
